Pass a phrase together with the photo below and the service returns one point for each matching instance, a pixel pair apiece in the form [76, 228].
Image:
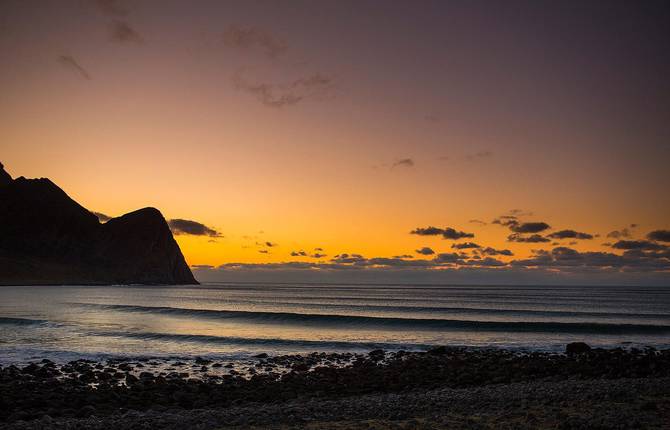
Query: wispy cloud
[405, 162]
[625, 232]
[280, 95]
[479, 155]
[253, 39]
[111, 7]
[71, 64]
[122, 32]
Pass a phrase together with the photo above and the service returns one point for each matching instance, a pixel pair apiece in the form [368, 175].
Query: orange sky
[283, 124]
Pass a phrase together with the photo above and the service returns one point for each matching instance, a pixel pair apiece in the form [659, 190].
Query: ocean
[236, 321]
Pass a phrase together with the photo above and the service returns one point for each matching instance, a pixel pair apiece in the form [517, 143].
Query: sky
[357, 141]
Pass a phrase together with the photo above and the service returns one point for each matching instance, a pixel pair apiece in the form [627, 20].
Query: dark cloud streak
[193, 228]
[122, 32]
[570, 234]
[70, 63]
[250, 39]
[659, 235]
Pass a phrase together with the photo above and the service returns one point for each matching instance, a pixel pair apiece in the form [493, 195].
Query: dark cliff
[48, 238]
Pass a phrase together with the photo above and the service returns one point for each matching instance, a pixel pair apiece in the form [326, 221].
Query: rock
[31, 369]
[86, 411]
[438, 350]
[377, 354]
[261, 355]
[577, 348]
[201, 361]
[41, 226]
[300, 367]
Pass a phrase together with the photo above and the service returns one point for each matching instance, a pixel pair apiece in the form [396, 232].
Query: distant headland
[48, 238]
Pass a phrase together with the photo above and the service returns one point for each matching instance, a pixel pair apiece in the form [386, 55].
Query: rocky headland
[48, 238]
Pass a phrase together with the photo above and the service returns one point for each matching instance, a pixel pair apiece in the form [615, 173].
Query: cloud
[487, 262]
[318, 249]
[427, 231]
[659, 235]
[623, 233]
[263, 251]
[397, 262]
[270, 244]
[492, 251]
[405, 162]
[202, 266]
[302, 253]
[638, 244]
[280, 95]
[102, 217]
[111, 7]
[194, 228]
[253, 39]
[534, 238]
[465, 245]
[70, 63]
[568, 259]
[450, 233]
[557, 261]
[425, 251]
[403, 256]
[447, 233]
[122, 32]
[529, 227]
[348, 258]
[477, 221]
[506, 220]
[479, 155]
[570, 234]
[448, 257]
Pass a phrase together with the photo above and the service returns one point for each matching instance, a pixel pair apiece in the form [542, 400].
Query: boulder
[577, 348]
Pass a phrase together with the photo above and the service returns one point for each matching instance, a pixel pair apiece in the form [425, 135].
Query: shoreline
[82, 393]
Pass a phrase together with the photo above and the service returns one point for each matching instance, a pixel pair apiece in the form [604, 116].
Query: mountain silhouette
[48, 238]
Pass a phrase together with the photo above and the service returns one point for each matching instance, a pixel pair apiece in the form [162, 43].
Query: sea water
[235, 321]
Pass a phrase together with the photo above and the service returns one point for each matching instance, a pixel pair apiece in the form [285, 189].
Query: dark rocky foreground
[442, 388]
[48, 238]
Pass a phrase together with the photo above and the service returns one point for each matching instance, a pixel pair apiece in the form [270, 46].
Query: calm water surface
[237, 320]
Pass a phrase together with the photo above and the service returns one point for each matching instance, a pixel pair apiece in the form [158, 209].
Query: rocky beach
[444, 387]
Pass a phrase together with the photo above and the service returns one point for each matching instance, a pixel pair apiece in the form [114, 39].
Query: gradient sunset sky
[283, 135]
